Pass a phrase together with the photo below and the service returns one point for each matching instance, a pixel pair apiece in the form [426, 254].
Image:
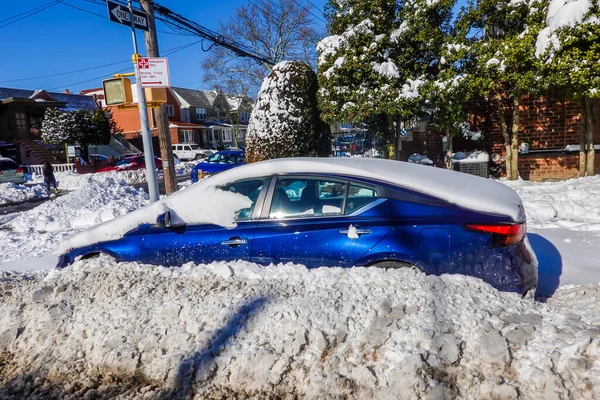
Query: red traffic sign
[154, 72]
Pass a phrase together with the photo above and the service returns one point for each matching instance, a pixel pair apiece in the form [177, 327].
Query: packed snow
[11, 193]
[239, 330]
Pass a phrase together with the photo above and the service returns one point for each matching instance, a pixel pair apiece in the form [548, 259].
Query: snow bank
[239, 331]
[11, 193]
[571, 204]
[37, 231]
[73, 180]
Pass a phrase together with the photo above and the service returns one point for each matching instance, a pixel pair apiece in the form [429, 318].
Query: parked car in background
[132, 163]
[334, 212]
[190, 151]
[10, 171]
[218, 162]
[98, 158]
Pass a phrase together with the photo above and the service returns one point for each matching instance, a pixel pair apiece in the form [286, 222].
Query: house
[128, 119]
[549, 127]
[223, 116]
[21, 116]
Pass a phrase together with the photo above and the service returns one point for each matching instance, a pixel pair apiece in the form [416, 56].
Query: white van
[190, 151]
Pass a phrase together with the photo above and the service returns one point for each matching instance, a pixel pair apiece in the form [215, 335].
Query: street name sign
[120, 14]
[154, 72]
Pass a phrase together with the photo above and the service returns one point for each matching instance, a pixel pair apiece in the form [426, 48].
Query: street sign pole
[145, 125]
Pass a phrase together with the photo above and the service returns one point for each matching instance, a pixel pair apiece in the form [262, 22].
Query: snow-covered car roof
[204, 203]
[458, 188]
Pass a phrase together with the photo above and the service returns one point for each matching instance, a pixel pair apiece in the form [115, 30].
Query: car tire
[394, 265]
[90, 256]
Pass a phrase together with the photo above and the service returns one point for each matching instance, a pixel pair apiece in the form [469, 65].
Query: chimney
[67, 91]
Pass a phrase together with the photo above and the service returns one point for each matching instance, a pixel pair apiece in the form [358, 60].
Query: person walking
[49, 178]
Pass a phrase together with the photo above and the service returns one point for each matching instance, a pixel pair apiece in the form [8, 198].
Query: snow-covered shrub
[285, 121]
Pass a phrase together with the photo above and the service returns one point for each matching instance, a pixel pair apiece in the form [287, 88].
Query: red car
[132, 163]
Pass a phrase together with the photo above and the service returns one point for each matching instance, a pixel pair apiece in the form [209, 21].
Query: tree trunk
[514, 143]
[504, 129]
[449, 148]
[589, 136]
[582, 138]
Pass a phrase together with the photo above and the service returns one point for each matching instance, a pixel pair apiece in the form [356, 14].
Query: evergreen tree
[285, 121]
[502, 63]
[58, 127]
[569, 49]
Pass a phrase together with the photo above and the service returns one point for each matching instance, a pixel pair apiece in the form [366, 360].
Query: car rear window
[359, 196]
[8, 165]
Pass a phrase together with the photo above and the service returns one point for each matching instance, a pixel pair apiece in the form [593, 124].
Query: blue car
[336, 212]
[218, 162]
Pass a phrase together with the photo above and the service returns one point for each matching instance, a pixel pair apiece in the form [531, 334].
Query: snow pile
[38, 231]
[239, 331]
[11, 193]
[572, 204]
[73, 180]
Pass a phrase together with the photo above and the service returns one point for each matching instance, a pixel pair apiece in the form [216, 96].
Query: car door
[205, 243]
[319, 222]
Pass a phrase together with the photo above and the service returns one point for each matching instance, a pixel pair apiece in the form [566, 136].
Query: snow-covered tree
[58, 126]
[82, 127]
[502, 64]
[569, 48]
[285, 121]
[379, 57]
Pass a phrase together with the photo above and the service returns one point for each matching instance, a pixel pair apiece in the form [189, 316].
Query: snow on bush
[39, 230]
[11, 193]
[571, 204]
[239, 330]
[285, 120]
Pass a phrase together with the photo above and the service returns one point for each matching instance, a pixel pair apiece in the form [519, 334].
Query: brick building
[550, 127]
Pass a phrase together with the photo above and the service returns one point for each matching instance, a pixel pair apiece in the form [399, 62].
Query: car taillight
[0, 172]
[502, 235]
[19, 170]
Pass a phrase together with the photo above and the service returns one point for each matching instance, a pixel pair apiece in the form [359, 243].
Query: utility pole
[162, 122]
[146, 136]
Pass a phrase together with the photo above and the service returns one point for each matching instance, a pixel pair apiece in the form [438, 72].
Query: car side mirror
[164, 220]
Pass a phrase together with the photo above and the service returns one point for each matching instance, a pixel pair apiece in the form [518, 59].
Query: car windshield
[221, 158]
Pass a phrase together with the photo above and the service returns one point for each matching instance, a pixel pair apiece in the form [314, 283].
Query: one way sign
[120, 14]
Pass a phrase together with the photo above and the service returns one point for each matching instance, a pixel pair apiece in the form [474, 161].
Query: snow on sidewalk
[11, 193]
[39, 231]
[572, 204]
[240, 330]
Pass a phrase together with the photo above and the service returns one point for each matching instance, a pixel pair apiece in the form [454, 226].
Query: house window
[241, 134]
[201, 113]
[227, 137]
[21, 123]
[187, 136]
[170, 110]
[244, 116]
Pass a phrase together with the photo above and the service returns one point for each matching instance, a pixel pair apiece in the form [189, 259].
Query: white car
[190, 151]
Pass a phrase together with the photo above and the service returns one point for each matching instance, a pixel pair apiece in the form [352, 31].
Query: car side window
[187, 148]
[306, 198]
[250, 188]
[359, 196]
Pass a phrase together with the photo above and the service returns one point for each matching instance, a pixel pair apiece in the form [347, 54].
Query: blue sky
[62, 39]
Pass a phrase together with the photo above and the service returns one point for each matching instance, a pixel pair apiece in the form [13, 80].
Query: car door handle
[234, 242]
[358, 231]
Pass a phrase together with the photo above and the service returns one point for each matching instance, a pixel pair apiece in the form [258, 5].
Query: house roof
[195, 98]
[179, 124]
[72, 101]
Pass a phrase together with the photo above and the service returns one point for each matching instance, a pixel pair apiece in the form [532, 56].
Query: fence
[39, 169]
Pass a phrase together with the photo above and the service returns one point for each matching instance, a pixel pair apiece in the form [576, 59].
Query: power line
[313, 4]
[29, 13]
[309, 11]
[168, 52]
[65, 73]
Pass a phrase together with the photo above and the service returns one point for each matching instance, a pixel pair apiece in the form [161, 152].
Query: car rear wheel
[198, 157]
